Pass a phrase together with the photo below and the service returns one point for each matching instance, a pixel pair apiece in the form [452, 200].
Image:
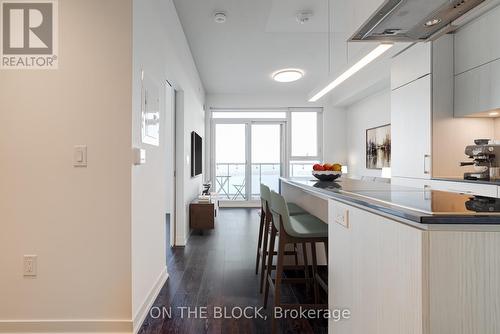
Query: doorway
[247, 153]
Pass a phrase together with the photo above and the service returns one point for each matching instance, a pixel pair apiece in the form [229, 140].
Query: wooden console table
[202, 214]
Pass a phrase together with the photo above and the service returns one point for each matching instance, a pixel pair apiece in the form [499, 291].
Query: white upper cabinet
[412, 64]
[411, 113]
[477, 66]
[478, 42]
[478, 90]
[466, 93]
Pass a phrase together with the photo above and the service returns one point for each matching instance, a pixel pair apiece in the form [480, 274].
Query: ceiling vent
[304, 17]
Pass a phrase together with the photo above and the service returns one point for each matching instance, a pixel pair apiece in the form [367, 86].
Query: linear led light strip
[377, 52]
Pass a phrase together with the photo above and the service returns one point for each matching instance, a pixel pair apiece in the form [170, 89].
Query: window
[301, 168]
[304, 134]
[305, 141]
[258, 146]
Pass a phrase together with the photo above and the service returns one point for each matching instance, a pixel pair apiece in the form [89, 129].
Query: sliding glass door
[247, 153]
[231, 161]
[267, 159]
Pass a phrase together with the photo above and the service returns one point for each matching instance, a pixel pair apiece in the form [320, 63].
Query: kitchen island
[405, 260]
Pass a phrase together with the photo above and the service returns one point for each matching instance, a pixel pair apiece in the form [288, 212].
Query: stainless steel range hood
[412, 20]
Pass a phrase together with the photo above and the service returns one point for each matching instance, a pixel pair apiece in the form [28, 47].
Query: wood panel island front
[404, 260]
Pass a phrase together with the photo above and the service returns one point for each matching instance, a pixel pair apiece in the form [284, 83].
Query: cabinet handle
[426, 157]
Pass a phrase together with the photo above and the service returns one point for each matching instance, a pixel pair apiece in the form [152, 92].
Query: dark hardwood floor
[217, 269]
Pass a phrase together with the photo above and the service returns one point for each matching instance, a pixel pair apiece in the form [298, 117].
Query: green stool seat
[307, 226]
[294, 209]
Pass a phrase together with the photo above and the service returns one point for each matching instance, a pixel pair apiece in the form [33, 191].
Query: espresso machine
[485, 159]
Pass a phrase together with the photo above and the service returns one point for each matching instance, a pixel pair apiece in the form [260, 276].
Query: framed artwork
[150, 111]
[378, 147]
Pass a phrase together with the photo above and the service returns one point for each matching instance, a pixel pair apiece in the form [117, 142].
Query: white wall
[370, 112]
[160, 48]
[77, 220]
[259, 101]
[334, 134]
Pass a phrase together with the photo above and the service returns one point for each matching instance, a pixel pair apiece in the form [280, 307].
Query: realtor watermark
[29, 34]
[248, 312]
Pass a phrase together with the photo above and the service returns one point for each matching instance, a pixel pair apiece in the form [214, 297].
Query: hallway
[217, 269]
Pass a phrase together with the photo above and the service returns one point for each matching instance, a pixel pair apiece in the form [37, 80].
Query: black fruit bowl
[326, 175]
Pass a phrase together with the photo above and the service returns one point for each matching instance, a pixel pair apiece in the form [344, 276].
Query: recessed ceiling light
[288, 75]
[433, 22]
[494, 113]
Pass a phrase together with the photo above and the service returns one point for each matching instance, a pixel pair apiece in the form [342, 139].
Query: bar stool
[264, 229]
[302, 229]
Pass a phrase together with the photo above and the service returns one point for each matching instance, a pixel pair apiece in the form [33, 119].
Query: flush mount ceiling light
[288, 75]
[220, 17]
[494, 113]
[433, 22]
[374, 54]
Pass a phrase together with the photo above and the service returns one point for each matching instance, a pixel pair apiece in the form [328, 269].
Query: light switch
[139, 156]
[80, 156]
[342, 218]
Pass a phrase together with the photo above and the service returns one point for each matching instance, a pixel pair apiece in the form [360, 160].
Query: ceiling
[258, 38]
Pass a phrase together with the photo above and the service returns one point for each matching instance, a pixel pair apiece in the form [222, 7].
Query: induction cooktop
[432, 202]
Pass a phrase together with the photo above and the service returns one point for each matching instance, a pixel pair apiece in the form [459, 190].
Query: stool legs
[260, 247]
[269, 268]
[296, 255]
[264, 252]
[315, 272]
[326, 250]
[279, 276]
[306, 264]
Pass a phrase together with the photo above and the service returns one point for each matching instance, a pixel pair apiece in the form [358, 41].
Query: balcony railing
[231, 183]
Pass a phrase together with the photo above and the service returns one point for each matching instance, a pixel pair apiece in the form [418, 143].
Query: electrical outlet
[30, 265]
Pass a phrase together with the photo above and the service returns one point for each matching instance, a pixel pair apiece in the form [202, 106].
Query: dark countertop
[457, 179]
[417, 205]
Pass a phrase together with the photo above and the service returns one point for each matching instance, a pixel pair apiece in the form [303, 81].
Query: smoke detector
[220, 17]
[304, 16]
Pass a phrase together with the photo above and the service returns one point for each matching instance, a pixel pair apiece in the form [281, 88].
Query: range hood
[412, 20]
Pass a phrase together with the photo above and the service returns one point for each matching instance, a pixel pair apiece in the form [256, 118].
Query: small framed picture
[378, 147]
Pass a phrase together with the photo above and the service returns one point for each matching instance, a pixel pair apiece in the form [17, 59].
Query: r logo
[27, 28]
[29, 31]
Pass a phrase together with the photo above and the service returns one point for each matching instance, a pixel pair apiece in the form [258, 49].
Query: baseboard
[87, 326]
[143, 311]
[180, 241]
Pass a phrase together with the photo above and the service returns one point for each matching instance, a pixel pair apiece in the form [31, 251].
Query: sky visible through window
[230, 143]
[304, 134]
